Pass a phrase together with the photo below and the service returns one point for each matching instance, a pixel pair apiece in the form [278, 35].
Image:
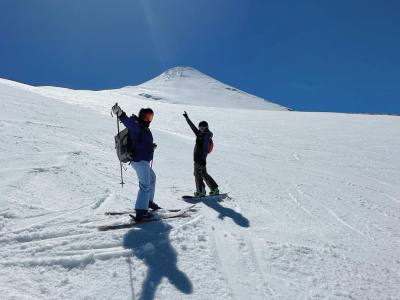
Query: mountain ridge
[177, 85]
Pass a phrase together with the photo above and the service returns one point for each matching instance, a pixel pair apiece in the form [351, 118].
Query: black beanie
[203, 124]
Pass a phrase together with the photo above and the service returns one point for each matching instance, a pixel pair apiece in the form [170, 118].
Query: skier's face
[202, 128]
[148, 117]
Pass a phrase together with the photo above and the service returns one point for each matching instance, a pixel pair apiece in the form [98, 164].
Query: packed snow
[313, 213]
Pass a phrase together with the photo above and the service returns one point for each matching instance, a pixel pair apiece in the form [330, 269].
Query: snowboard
[196, 199]
[184, 212]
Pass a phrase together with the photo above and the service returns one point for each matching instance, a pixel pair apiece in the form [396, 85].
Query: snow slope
[314, 213]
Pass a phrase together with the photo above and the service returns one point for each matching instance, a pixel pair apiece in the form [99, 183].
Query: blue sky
[321, 55]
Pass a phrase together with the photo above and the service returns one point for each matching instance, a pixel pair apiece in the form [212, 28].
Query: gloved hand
[117, 110]
[185, 114]
[154, 146]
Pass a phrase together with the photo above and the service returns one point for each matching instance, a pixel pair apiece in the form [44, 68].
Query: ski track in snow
[232, 249]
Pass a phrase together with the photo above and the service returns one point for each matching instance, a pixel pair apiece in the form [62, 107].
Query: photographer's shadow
[150, 243]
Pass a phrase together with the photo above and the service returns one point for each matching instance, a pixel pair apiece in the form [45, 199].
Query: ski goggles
[148, 117]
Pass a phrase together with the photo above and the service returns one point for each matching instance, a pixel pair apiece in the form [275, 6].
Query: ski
[196, 199]
[128, 212]
[184, 212]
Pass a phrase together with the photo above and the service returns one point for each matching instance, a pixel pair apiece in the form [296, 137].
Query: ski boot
[142, 215]
[154, 206]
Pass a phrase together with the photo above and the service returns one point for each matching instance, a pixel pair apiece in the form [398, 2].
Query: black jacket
[202, 142]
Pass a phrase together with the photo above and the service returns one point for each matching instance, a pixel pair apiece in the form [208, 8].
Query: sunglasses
[148, 117]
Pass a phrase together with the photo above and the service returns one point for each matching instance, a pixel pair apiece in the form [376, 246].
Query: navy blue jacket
[141, 137]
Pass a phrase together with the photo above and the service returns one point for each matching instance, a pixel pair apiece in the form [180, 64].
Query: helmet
[146, 114]
[203, 124]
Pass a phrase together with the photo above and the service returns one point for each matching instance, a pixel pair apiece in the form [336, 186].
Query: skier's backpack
[210, 146]
[123, 146]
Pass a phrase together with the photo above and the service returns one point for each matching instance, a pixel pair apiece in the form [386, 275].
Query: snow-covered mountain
[186, 85]
[180, 85]
[314, 210]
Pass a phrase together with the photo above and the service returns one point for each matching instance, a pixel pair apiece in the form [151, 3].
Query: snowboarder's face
[202, 128]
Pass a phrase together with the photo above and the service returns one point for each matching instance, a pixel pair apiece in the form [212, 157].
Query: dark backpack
[123, 146]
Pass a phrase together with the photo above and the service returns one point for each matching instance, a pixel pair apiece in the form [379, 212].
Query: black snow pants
[201, 175]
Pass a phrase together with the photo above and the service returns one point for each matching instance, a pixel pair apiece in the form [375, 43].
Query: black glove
[154, 145]
[185, 114]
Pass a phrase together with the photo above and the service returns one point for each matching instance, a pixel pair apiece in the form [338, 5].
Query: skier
[143, 146]
[203, 137]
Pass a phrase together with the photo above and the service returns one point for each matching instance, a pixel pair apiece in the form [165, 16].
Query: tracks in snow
[234, 254]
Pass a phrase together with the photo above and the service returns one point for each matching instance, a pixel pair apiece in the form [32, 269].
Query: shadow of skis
[150, 243]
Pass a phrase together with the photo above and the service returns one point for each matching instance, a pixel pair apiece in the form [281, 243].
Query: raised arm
[130, 122]
[192, 126]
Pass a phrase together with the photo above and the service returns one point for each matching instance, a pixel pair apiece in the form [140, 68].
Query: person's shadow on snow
[238, 218]
[150, 243]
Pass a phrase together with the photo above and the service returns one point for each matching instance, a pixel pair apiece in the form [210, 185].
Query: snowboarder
[201, 150]
[143, 150]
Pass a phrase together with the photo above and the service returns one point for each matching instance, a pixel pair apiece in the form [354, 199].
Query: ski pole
[120, 163]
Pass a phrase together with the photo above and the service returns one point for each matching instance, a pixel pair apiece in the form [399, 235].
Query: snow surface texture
[314, 213]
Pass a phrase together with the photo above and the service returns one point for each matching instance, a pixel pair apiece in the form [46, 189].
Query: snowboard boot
[200, 194]
[142, 215]
[154, 206]
[214, 192]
